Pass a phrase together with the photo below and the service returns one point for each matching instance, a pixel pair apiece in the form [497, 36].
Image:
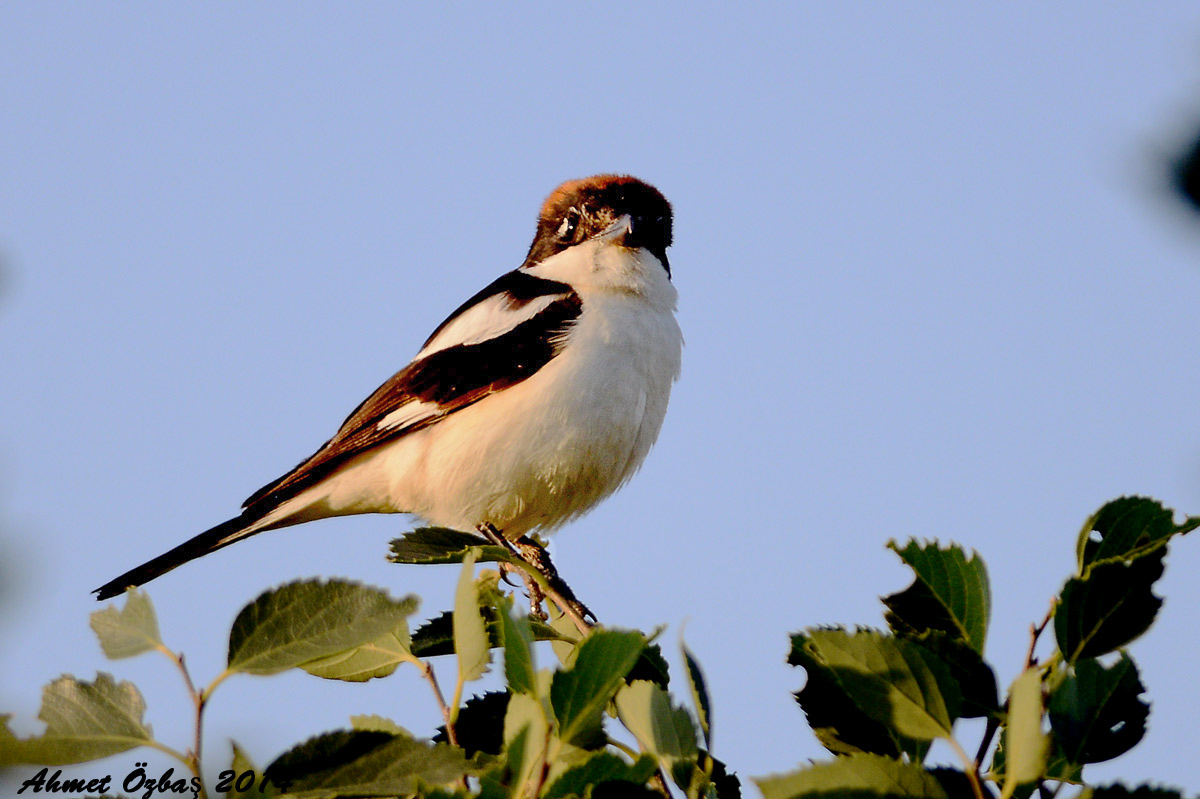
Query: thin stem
[166, 750]
[456, 702]
[212, 686]
[427, 672]
[1035, 632]
[192, 759]
[626, 748]
[970, 766]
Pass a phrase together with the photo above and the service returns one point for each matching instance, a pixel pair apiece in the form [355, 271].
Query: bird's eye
[569, 224]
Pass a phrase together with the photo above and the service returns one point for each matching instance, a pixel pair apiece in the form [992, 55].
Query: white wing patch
[492, 317]
[409, 413]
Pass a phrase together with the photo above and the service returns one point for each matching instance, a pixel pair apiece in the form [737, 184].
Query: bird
[534, 400]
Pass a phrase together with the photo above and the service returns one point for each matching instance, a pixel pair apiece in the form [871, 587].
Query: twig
[1035, 632]
[427, 672]
[199, 700]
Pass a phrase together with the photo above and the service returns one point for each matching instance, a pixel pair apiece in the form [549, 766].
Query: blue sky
[931, 285]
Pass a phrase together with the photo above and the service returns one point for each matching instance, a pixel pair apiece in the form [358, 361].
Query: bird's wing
[497, 339]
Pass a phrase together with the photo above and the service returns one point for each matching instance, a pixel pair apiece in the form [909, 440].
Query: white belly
[548, 449]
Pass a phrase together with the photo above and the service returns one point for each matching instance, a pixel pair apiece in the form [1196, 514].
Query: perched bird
[537, 398]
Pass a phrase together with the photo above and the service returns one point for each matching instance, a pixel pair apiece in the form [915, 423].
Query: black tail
[208, 541]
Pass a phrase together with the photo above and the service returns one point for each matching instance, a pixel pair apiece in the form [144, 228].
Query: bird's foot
[536, 556]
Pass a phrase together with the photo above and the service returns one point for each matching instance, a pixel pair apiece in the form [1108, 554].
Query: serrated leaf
[436, 636]
[84, 721]
[1126, 529]
[951, 593]
[377, 658]
[471, 642]
[663, 730]
[1118, 790]
[578, 695]
[860, 776]
[1095, 712]
[724, 783]
[365, 763]
[836, 719]
[896, 683]
[1110, 607]
[480, 724]
[129, 631]
[699, 695]
[652, 666]
[971, 673]
[1026, 746]
[599, 768]
[443, 545]
[308, 620]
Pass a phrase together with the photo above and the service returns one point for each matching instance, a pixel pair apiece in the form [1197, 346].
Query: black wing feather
[453, 379]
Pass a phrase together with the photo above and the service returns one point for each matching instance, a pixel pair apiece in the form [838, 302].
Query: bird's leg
[536, 595]
[536, 556]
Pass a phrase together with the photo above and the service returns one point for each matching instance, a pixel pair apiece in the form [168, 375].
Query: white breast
[549, 448]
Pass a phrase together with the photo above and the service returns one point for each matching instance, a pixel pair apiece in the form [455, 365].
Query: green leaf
[1058, 768]
[260, 788]
[519, 668]
[526, 731]
[436, 636]
[579, 694]
[305, 621]
[84, 721]
[377, 658]
[470, 635]
[365, 763]
[443, 545]
[839, 723]
[950, 593]
[970, 672]
[896, 683]
[859, 776]
[665, 731]
[699, 694]
[480, 724]
[129, 631]
[724, 783]
[652, 666]
[1026, 746]
[1119, 791]
[1109, 607]
[1096, 713]
[1126, 529]
[598, 769]
[372, 722]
